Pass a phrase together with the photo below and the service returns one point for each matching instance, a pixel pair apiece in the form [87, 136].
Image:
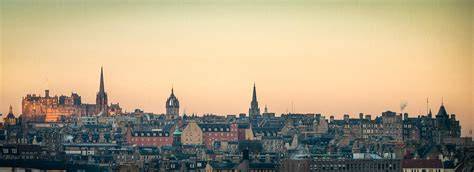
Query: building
[433, 165]
[219, 132]
[254, 110]
[162, 137]
[177, 136]
[392, 125]
[36, 108]
[172, 106]
[340, 165]
[10, 119]
[101, 100]
[446, 126]
[192, 134]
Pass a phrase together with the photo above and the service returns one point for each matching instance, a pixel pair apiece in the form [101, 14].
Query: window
[5, 151]
[14, 151]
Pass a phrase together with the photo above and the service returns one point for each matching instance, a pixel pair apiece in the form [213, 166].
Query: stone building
[392, 125]
[192, 134]
[37, 108]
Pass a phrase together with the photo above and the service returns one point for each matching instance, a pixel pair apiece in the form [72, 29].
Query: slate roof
[263, 166]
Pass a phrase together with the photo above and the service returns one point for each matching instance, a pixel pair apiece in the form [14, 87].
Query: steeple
[172, 90]
[254, 110]
[254, 96]
[10, 110]
[101, 87]
[101, 100]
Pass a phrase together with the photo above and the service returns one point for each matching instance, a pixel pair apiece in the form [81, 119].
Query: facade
[392, 125]
[219, 132]
[340, 165]
[151, 138]
[49, 108]
[192, 134]
[433, 165]
[446, 126]
[172, 106]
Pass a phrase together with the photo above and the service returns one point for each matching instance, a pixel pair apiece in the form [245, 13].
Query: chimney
[346, 117]
[245, 162]
[46, 93]
[453, 116]
[361, 115]
[405, 116]
[331, 119]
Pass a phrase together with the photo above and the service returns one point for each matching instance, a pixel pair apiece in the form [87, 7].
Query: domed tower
[10, 119]
[172, 106]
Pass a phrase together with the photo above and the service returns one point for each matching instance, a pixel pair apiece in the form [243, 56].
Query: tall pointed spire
[254, 110]
[101, 98]
[101, 87]
[10, 111]
[254, 96]
[172, 89]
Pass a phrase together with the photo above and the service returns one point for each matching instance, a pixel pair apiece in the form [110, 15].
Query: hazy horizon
[328, 57]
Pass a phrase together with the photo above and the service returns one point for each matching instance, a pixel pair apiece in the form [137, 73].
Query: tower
[254, 110]
[101, 98]
[172, 106]
[177, 136]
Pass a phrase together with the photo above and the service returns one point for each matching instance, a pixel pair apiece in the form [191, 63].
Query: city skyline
[102, 90]
[334, 59]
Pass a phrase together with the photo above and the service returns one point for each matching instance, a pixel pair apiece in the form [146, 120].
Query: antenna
[427, 106]
[292, 110]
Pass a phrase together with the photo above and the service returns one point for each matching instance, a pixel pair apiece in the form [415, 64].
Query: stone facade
[192, 134]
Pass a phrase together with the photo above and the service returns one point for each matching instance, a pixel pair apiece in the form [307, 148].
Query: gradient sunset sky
[329, 57]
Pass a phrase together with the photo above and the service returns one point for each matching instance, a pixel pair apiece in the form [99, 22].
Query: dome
[10, 113]
[176, 130]
[172, 101]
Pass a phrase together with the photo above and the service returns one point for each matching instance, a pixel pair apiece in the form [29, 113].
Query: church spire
[10, 111]
[101, 98]
[101, 87]
[254, 110]
[254, 96]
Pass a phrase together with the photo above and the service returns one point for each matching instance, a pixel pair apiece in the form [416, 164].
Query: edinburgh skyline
[353, 58]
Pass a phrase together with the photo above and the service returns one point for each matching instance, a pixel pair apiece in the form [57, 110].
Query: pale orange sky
[329, 57]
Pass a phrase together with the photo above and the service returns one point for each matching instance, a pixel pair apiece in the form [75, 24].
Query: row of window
[154, 139]
[151, 134]
[215, 129]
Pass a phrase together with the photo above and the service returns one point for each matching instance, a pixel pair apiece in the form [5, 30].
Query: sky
[328, 57]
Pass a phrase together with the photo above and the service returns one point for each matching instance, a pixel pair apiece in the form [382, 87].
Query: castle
[37, 108]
